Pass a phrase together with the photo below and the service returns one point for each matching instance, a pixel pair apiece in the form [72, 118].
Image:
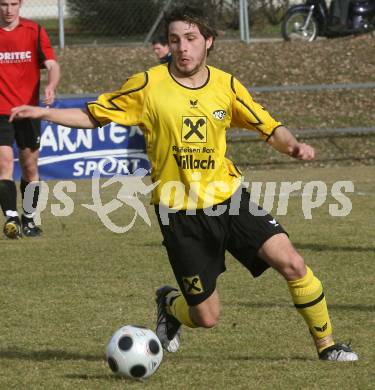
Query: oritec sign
[67, 153]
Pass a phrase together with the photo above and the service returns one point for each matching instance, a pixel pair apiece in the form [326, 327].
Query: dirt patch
[345, 60]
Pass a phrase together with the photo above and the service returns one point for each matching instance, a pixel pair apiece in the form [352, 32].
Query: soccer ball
[134, 351]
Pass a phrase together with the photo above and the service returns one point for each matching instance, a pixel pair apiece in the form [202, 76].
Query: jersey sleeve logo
[194, 129]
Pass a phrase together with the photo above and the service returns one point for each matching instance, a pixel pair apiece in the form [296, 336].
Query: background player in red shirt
[24, 49]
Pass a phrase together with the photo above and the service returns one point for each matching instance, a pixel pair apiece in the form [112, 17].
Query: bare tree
[273, 10]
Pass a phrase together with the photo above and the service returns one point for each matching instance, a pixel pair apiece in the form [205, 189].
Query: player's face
[160, 50]
[9, 11]
[188, 47]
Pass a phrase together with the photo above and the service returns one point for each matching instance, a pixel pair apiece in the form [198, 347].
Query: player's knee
[207, 321]
[205, 318]
[6, 167]
[295, 267]
[30, 172]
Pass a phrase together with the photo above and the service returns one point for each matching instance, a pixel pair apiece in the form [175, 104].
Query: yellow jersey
[185, 131]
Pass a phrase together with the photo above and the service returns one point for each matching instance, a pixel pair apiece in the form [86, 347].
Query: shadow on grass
[272, 359]
[338, 307]
[249, 357]
[60, 355]
[334, 248]
[310, 246]
[49, 354]
[89, 377]
[351, 307]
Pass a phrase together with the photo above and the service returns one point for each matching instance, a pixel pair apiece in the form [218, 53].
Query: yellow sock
[179, 309]
[308, 298]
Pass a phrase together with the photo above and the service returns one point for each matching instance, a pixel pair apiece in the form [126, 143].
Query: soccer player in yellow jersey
[185, 109]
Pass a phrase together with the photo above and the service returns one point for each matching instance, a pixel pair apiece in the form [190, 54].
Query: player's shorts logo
[194, 129]
[193, 285]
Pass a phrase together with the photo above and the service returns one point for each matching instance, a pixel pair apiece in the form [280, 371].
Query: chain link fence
[71, 22]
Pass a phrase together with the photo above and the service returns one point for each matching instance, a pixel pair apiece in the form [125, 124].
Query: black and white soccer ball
[135, 352]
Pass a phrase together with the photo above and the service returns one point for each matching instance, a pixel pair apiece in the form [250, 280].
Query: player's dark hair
[160, 39]
[191, 15]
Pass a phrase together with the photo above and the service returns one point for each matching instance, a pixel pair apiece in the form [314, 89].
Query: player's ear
[209, 42]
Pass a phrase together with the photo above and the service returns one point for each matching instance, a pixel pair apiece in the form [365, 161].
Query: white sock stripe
[11, 213]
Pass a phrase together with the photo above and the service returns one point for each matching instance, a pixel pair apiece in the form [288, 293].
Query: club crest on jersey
[219, 114]
[194, 129]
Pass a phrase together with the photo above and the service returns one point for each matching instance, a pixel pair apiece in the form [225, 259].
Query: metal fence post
[60, 4]
[157, 22]
[244, 21]
[240, 11]
[116, 23]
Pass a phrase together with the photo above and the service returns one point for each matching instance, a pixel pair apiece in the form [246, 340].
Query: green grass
[63, 295]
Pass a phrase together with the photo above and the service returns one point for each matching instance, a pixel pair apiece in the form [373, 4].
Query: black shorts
[196, 244]
[25, 132]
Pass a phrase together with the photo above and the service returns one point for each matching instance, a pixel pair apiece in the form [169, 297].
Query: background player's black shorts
[196, 245]
[25, 132]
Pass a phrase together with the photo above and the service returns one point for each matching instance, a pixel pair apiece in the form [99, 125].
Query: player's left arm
[53, 69]
[284, 142]
[47, 60]
[246, 113]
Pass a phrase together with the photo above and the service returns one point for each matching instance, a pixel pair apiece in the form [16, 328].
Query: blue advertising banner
[67, 153]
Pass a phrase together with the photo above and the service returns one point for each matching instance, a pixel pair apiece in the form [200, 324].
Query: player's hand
[49, 95]
[22, 112]
[302, 151]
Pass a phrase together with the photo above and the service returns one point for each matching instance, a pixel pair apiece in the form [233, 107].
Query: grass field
[63, 295]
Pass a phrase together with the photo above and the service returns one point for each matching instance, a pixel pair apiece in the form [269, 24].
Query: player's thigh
[196, 246]
[281, 255]
[6, 162]
[249, 231]
[7, 136]
[27, 134]
[7, 131]
[29, 164]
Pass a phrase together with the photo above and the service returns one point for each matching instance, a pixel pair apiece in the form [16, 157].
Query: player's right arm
[70, 117]
[124, 107]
